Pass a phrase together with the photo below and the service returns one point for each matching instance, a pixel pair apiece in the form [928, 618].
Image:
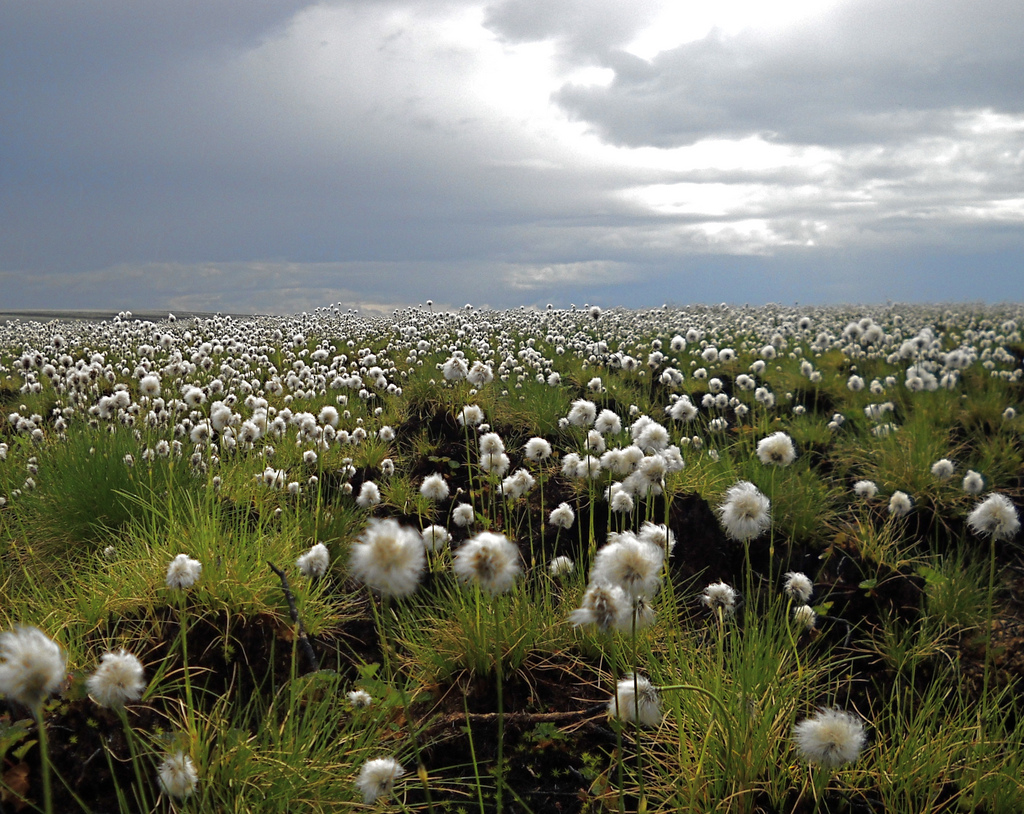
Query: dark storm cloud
[871, 72]
[274, 157]
[53, 41]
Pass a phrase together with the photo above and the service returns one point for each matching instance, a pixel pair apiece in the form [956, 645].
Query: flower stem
[44, 758]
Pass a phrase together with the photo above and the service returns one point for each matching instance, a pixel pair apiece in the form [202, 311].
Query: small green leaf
[931, 576]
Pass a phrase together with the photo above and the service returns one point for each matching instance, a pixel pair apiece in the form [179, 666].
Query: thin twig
[518, 718]
[304, 643]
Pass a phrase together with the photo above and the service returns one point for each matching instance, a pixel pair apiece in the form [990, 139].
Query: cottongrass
[636, 700]
[830, 738]
[865, 489]
[776, 450]
[745, 514]
[488, 560]
[31, 666]
[463, 515]
[117, 681]
[900, 504]
[178, 776]
[720, 597]
[562, 516]
[434, 488]
[183, 572]
[631, 563]
[805, 617]
[605, 606]
[388, 558]
[798, 586]
[377, 778]
[995, 517]
[315, 562]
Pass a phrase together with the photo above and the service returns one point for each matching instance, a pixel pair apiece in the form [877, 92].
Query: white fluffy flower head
[562, 516]
[183, 572]
[798, 586]
[631, 563]
[31, 665]
[463, 515]
[377, 778]
[314, 563]
[943, 469]
[369, 495]
[435, 538]
[720, 596]
[118, 680]
[560, 566]
[389, 558]
[604, 606]
[178, 775]
[804, 616]
[776, 450]
[537, 449]
[636, 699]
[745, 514]
[995, 517]
[830, 738]
[900, 504]
[434, 488]
[582, 413]
[489, 560]
[866, 489]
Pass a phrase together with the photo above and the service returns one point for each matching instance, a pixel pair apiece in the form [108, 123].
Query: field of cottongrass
[700, 559]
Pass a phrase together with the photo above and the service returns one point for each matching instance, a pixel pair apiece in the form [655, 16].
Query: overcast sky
[273, 157]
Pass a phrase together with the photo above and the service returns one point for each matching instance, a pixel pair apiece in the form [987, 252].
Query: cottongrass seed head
[636, 699]
[560, 566]
[900, 504]
[720, 596]
[537, 449]
[117, 681]
[776, 450]
[745, 514]
[314, 563]
[562, 516]
[865, 489]
[369, 495]
[605, 606]
[434, 488]
[805, 617]
[31, 665]
[178, 775]
[830, 738]
[463, 515]
[631, 563]
[973, 483]
[995, 517]
[183, 572]
[489, 560]
[359, 699]
[389, 558]
[377, 778]
[798, 586]
[435, 538]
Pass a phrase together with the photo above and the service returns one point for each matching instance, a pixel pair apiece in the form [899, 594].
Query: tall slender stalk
[381, 616]
[44, 757]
